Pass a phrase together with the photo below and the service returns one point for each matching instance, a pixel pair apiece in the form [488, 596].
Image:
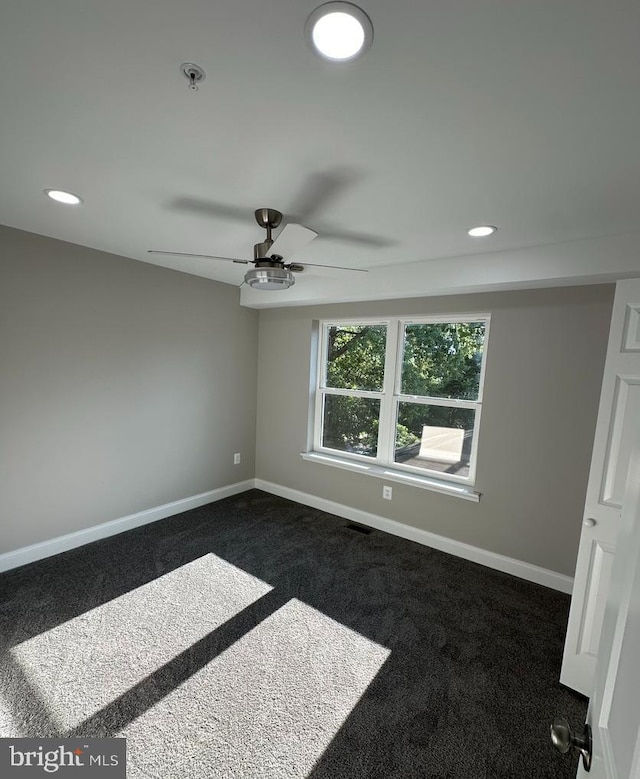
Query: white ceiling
[524, 114]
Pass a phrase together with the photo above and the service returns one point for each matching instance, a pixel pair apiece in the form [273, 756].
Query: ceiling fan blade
[292, 239]
[200, 256]
[333, 267]
[323, 188]
[209, 209]
[359, 239]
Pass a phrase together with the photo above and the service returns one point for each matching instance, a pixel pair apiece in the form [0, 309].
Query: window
[404, 394]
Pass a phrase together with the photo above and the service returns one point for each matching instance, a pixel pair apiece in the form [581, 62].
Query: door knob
[589, 522]
[564, 739]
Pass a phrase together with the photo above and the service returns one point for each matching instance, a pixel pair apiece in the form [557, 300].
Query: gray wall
[544, 367]
[123, 386]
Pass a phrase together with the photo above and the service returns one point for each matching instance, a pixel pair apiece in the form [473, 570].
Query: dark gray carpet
[257, 637]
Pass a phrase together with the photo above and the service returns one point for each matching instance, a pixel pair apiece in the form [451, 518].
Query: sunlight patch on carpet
[267, 707]
[80, 666]
[9, 727]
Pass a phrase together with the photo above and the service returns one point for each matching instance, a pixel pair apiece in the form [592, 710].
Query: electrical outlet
[387, 492]
[236, 458]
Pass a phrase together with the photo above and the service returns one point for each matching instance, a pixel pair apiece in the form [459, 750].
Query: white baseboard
[523, 570]
[30, 554]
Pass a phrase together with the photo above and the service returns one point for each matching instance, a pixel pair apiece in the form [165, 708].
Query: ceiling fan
[271, 271]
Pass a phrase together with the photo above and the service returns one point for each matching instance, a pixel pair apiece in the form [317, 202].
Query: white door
[614, 713]
[619, 407]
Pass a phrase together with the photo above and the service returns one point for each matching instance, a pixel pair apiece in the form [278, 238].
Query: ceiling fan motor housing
[261, 250]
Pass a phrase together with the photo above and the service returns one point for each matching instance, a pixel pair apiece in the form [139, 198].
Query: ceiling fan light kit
[270, 278]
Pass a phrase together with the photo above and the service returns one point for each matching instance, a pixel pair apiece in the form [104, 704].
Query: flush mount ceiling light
[68, 198]
[339, 32]
[270, 278]
[482, 231]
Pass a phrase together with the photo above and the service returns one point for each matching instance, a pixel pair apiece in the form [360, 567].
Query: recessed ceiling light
[339, 31]
[68, 198]
[482, 231]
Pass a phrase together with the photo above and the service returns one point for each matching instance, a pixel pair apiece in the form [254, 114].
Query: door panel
[631, 341]
[593, 613]
[626, 407]
[619, 405]
[614, 714]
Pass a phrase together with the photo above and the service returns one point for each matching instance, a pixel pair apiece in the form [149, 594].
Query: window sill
[383, 472]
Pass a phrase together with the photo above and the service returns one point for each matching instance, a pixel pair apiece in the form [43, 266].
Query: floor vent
[359, 528]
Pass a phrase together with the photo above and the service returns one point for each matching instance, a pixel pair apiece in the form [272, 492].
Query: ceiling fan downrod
[269, 219]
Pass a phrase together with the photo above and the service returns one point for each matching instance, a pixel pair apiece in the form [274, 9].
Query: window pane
[443, 360]
[436, 438]
[355, 356]
[351, 424]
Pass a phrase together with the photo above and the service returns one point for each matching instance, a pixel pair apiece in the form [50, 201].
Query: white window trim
[389, 398]
[391, 474]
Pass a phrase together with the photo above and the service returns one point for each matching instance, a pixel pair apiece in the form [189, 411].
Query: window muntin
[403, 393]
